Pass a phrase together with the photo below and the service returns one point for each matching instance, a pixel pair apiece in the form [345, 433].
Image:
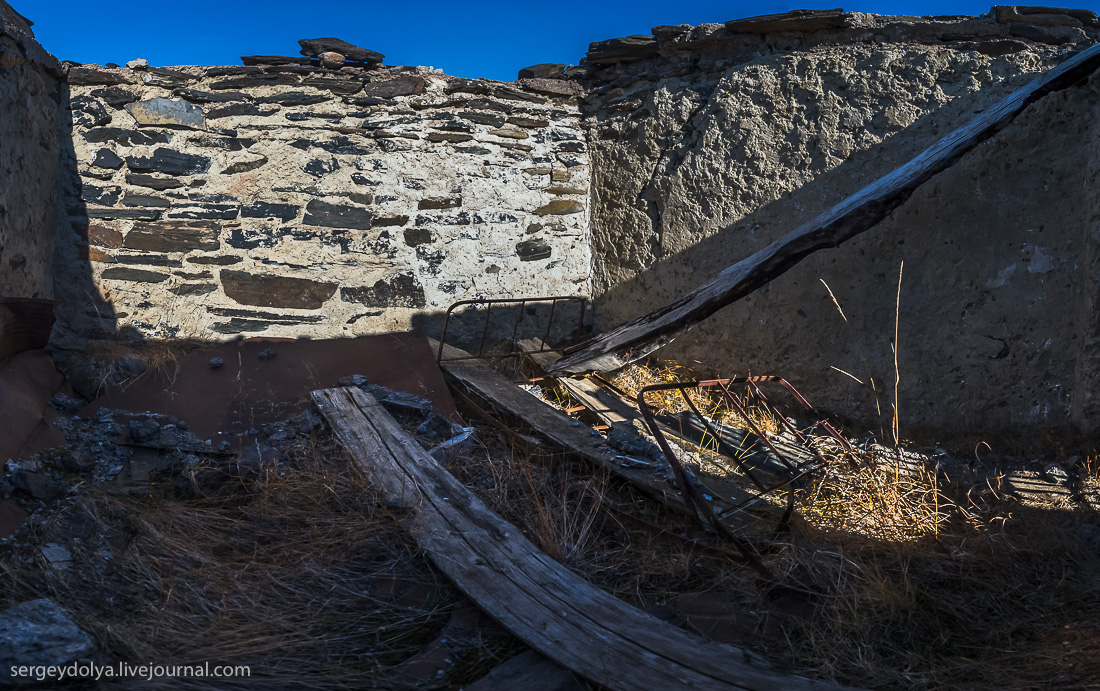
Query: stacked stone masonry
[292, 200]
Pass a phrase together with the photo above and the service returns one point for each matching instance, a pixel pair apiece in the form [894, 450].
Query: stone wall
[29, 155]
[296, 201]
[709, 142]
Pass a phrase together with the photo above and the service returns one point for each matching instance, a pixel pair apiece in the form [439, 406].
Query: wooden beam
[856, 214]
[538, 600]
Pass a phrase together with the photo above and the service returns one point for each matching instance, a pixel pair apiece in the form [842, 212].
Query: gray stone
[38, 633]
[133, 275]
[207, 97]
[154, 183]
[173, 236]
[166, 112]
[314, 47]
[94, 76]
[320, 213]
[400, 290]
[105, 158]
[405, 85]
[169, 162]
[318, 167]
[125, 214]
[239, 108]
[532, 250]
[38, 485]
[294, 98]
[267, 290]
[238, 167]
[332, 60]
[126, 137]
[216, 363]
[542, 71]
[143, 430]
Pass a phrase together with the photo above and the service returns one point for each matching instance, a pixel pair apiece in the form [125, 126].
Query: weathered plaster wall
[29, 155]
[297, 201]
[708, 143]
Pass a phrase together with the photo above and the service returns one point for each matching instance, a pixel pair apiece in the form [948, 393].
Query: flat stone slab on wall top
[798, 20]
[267, 290]
[313, 47]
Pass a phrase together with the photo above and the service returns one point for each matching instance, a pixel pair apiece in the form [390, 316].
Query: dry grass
[293, 573]
[711, 402]
[886, 580]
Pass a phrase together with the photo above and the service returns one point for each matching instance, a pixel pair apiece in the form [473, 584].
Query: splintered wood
[540, 601]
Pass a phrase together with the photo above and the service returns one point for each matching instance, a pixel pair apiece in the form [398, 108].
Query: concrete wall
[211, 202]
[708, 143]
[29, 155]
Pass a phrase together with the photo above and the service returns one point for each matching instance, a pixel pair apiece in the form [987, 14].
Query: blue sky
[468, 39]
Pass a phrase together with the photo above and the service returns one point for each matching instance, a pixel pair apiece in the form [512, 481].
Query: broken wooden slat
[540, 601]
[559, 429]
[856, 214]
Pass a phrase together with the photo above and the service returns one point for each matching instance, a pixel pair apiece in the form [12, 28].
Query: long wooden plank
[540, 601]
[856, 214]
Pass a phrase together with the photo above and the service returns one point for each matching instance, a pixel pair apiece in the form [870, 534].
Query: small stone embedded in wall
[268, 290]
[510, 134]
[440, 203]
[115, 96]
[169, 162]
[390, 221]
[392, 88]
[449, 137]
[152, 182]
[105, 158]
[294, 98]
[560, 207]
[88, 112]
[126, 137]
[321, 213]
[244, 166]
[483, 118]
[220, 212]
[531, 250]
[417, 236]
[133, 275]
[195, 96]
[145, 200]
[173, 236]
[523, 121]
[239, 109]
[285, 212]
[104, 196]
[319, 167]
[400, 290]
[166, 112]
[94, 76]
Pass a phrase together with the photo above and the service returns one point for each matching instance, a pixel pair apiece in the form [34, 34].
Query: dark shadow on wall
[87, 320]
[497, 328]
[966, 361]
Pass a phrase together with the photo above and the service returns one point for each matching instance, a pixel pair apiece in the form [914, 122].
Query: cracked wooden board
[540, 601]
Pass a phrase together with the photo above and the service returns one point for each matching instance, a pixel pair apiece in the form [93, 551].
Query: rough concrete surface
[696, 168]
